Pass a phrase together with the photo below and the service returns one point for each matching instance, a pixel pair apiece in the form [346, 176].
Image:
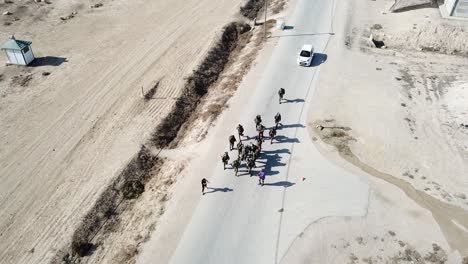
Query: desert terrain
[74, 118]
[396, 113]
[370, 167]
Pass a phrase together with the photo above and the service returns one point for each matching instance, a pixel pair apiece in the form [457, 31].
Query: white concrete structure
[449, 5]
[18, 52]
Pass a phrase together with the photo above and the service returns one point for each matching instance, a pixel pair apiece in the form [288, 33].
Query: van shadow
[48, 61]
[318, 59]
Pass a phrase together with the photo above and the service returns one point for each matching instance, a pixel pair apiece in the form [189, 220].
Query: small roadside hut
[18, 52]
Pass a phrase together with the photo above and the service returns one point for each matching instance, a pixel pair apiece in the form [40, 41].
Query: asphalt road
[239, 221]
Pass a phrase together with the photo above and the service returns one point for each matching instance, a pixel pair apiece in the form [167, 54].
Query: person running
[236, 164]
[272, 134]
[261, 130]
[240, 147]
[232, 140]
[277, 119]
[258, 120]
[250, 165]
[240, 131]
[204, 185]
[281, 93]
[225, 159]
[246, 152]
[253, 147]
[259, 139]
[261, 177]
[256, 154]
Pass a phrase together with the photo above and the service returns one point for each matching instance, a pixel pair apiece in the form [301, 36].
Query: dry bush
[251, 8]
[128, 185]
[198, 83]
[21, 80]
[151, 92]
[409, 255]
[334, 133]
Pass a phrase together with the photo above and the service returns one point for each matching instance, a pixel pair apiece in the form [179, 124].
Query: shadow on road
[278, 151]
[225, 189]
[303, 34]
[290, 126]
[284, 184]
[272, 161]
[297, 100]
[318, 59]
[284, 139]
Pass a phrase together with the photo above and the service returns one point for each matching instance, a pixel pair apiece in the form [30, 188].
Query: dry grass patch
[334, 135]
[251, 8]
[151, 92]
[104, 215]
[198, 83]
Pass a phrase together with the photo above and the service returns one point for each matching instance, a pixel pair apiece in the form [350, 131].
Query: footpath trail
[239, 221]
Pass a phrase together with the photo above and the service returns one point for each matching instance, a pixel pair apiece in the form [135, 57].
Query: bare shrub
[437, 255]
[251, 8]
[133, 189]
[129, 184]
[22, 80]
[337, 133]
[151, 92]
[198, 83]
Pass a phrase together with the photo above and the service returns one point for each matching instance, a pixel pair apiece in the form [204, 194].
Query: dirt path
[64, 136]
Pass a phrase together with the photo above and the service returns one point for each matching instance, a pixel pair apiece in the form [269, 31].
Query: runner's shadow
[225, 189]
[298, 100]
[278, 151]
[284, 184]
[247, 138]
[283, 139]
[272, 161]
[290, 126]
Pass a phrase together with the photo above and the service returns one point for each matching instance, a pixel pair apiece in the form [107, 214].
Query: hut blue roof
[15, 44]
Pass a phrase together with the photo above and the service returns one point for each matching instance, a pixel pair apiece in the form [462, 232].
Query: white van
[305, 55]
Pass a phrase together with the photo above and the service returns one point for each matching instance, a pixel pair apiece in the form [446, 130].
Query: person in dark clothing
[204, 185]
[281, 93]
[277, 119]
[232, 140]
[240, 130]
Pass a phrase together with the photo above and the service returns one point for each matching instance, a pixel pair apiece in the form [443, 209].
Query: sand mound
[444, 38]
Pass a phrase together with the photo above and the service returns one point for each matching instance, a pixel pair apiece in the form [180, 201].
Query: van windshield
[305, 53]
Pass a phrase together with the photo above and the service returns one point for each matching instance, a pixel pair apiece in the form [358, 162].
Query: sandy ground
[66, 134]
[407, 113]
[401, 111]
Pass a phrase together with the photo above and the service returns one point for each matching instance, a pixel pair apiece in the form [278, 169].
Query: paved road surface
[241, 221]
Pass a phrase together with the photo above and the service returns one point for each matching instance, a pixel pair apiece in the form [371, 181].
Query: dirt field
[72, 120]
[400, 118]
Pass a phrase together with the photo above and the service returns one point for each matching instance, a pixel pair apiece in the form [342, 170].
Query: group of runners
[249, 153]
